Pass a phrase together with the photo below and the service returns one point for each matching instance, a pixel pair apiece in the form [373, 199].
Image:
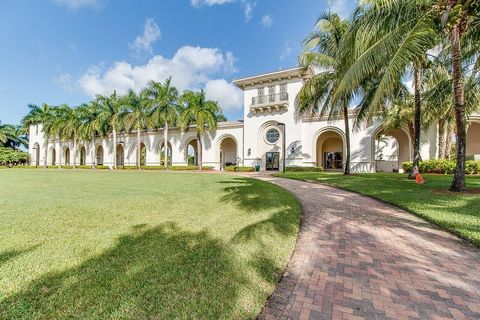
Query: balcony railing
[270, 99]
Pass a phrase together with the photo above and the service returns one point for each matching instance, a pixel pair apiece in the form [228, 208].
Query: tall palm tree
[165, 109]
[91, 126]
[111, 110]
[136, 116]
[394, 33]
[323, 50]
[44, 115]
[201, 113]
[12, 136]
[67, 125]
[457, 17]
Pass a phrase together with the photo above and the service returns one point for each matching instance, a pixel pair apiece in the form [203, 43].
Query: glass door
[272, 161]
[333, 160]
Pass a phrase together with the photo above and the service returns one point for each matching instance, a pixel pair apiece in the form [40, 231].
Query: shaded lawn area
[458, 213]
[143, 245]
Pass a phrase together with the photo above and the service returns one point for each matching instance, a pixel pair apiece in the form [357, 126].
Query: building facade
[268, 136]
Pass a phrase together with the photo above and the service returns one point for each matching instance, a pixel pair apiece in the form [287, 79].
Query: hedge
[303, 169]
[10, 157]
[442, 166]
[239, 169]
[187, 168]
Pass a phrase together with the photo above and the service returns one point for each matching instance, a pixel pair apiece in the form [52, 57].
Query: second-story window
[271, 93]
[283, 92]
[261, 94]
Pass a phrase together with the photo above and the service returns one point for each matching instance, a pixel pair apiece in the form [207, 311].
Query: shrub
[303, 169]
[472, 167]
[239, 169]
[187, 168]
[442, 166]
[407, 166]
[10, 157]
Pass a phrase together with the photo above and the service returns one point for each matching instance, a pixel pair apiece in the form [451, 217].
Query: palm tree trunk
[94, 157]
[441, 139]
[448, 144]
[411, 133]
[346, 170]
[199, 152]
[165, 146]
[417, 120]
[458, 183]
[45, 164]
[74, 151]
[138, 149]
[114, 134]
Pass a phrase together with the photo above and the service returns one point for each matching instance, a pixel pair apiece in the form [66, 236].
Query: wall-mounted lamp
[249, 151]
[292, 150]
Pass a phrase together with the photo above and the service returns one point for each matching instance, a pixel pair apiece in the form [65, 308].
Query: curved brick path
[358, 258]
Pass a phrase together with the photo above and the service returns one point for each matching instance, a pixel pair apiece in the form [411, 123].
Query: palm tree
[12, 136]
[67, 125]
[137, 115]
[201, 113]
[457, 16]
[41, 115]
[111, 110]
[323, 50]
[91, 125]
[165, 109]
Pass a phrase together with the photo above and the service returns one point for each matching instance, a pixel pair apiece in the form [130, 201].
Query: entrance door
[333, 160]
[272, 161]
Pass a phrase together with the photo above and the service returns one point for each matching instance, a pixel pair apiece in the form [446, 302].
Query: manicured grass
[458, 213]
[142, 245]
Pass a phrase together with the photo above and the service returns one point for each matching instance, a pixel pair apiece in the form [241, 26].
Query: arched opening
[169, 154]
[36, 154]
[99, 155]
[473, 141]
[120, 155]
[330, 150]
[143, 154]
[83, 156]
[390, 149]
[192, 153]
[53, 156]
[228, 152]
[67, 156]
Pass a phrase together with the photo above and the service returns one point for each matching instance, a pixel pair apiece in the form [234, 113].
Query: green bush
[10, 157]
[239, 169]
[187, 168]
[472, 167]
[407, 166]
[303, 169]
[442, 166]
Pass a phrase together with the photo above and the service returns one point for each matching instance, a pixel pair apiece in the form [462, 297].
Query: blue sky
[66, 51]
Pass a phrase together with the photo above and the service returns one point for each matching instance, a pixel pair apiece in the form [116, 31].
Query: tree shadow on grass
[253, 196]
[5, 256]
[157, 273]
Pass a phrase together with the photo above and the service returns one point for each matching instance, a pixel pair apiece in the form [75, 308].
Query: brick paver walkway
[358, 258]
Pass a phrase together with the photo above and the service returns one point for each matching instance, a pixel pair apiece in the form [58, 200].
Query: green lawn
[144, 245]
[458, 213]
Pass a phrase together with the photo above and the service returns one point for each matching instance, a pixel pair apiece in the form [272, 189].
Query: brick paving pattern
[358, 258]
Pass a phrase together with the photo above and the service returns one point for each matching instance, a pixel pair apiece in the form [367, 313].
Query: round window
[272, 135]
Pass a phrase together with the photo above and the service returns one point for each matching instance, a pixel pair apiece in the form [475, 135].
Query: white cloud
[344, 8]
[228, 96]
[143, 43]
[75, 4]
[66, 81]
[248, 10]
[267, 21]
[197, 3]
[286, 51]
[248, 5]
[190, 67]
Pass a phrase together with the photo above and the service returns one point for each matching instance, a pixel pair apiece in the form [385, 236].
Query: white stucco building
[258, 139]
